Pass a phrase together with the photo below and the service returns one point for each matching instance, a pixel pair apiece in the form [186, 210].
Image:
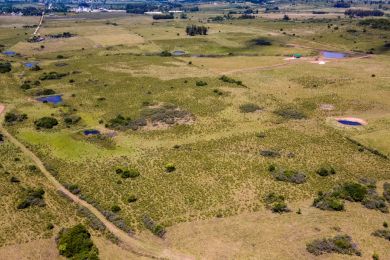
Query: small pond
[333, 55]
[30, 64]
[178, 53]
[56, 99]
[349, 122]
[91, 132]
[9, 53]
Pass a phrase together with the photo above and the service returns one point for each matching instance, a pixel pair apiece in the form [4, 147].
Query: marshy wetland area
[205, 136]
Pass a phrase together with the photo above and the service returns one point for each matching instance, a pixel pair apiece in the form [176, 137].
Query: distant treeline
[28, 11]
[363, 13]
[193, 30]
[163, 16]
[342, 4]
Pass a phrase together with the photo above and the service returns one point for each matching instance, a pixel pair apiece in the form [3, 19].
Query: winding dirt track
[131, 243]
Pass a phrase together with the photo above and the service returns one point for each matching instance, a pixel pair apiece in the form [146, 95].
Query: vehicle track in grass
[129, 242]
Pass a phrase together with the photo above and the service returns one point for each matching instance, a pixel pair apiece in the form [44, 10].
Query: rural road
[131, 243]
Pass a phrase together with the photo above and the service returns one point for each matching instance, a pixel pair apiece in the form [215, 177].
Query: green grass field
[112, 70]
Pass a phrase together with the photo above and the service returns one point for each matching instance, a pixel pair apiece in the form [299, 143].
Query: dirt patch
[327, 107]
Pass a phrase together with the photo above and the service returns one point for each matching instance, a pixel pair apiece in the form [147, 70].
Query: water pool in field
[9, 53]
[30, 64]
[349, 122]
[178, 53]
[91, 132]
[56, 99]
[333, 55]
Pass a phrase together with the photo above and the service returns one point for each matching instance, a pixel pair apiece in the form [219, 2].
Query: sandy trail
[131, 243]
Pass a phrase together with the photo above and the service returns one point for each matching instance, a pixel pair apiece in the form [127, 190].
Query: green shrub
[341, 244]
[170, 167]
[32, 197]
[383, 233]
[386, 191]
[115, 208]
[52, 75]
[201, 83]
[45, 92]
[249, 108]
[276, 203]
[76, 243]
[326, 171]
[5, 67]
[289, 176]
[130, 173]
[12, 117]
[46, 122]
[353, 192]
[290, 113]
[328, 201]
[231, 80]
[131, 199]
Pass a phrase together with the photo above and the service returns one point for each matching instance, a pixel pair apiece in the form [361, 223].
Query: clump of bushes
[193, 30]
[386, 191]
[326, 171]
[269, 153]
[218, 92]
[76, 243]
[5, 67]
[340, 244]
[383, 233]
[227, 79]
[156, 229]
[32, 197]
[276, 203]
[354, 192]
[127, 173]
[290, 113]
[52, 75]
[72, 119]
[261, 42]
[73, 188]
[287, 175]
[115, 208]
[12, 117]
[165, 54]
[201, 83]
[169, 167]
[249, 108]
[45, 92]
[381, 23]
[46, 122]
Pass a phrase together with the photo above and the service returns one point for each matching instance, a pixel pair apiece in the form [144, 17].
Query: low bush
[351, 191]
[46, 122]
[386, 191]
[52, 75]
[45, 92]
[201, 83]
[115, 208]
[227, 79]
[156, 229]
[289, 176]
[341, 244]
[12, 117]
[5, 67]
[326, 171]
[290, 113]
[73, 188]
[131, 199]
[269, 153]
[76, 243]
[32, 197]
[249, 108]
[72, 119]
[383, 233]
[130, 173]
[276, 203]
[165, 54]
[328, 201]
[373, 201]
[169, 167]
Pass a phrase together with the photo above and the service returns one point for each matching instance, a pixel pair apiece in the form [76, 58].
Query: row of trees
[193, 30]
[363, 13]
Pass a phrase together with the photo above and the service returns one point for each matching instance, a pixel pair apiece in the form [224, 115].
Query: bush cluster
[156, 229]
[289, 176]
[193, 30]
[231, 80]
[201, 83]
[45, 92]
[12, 117]
[5, 67]
[382, 23]
[326, 171]
[32, 197]
[46, 122]
[383, 233]
[276, 203]
[76, 243]
[269, 153]
[52, 75]
[169, 167]
[127, 173]
[290, 113]
[249, 108]
[341, 244]
[386, 191]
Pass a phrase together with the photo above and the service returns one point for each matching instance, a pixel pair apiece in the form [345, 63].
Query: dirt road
[142, 248]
